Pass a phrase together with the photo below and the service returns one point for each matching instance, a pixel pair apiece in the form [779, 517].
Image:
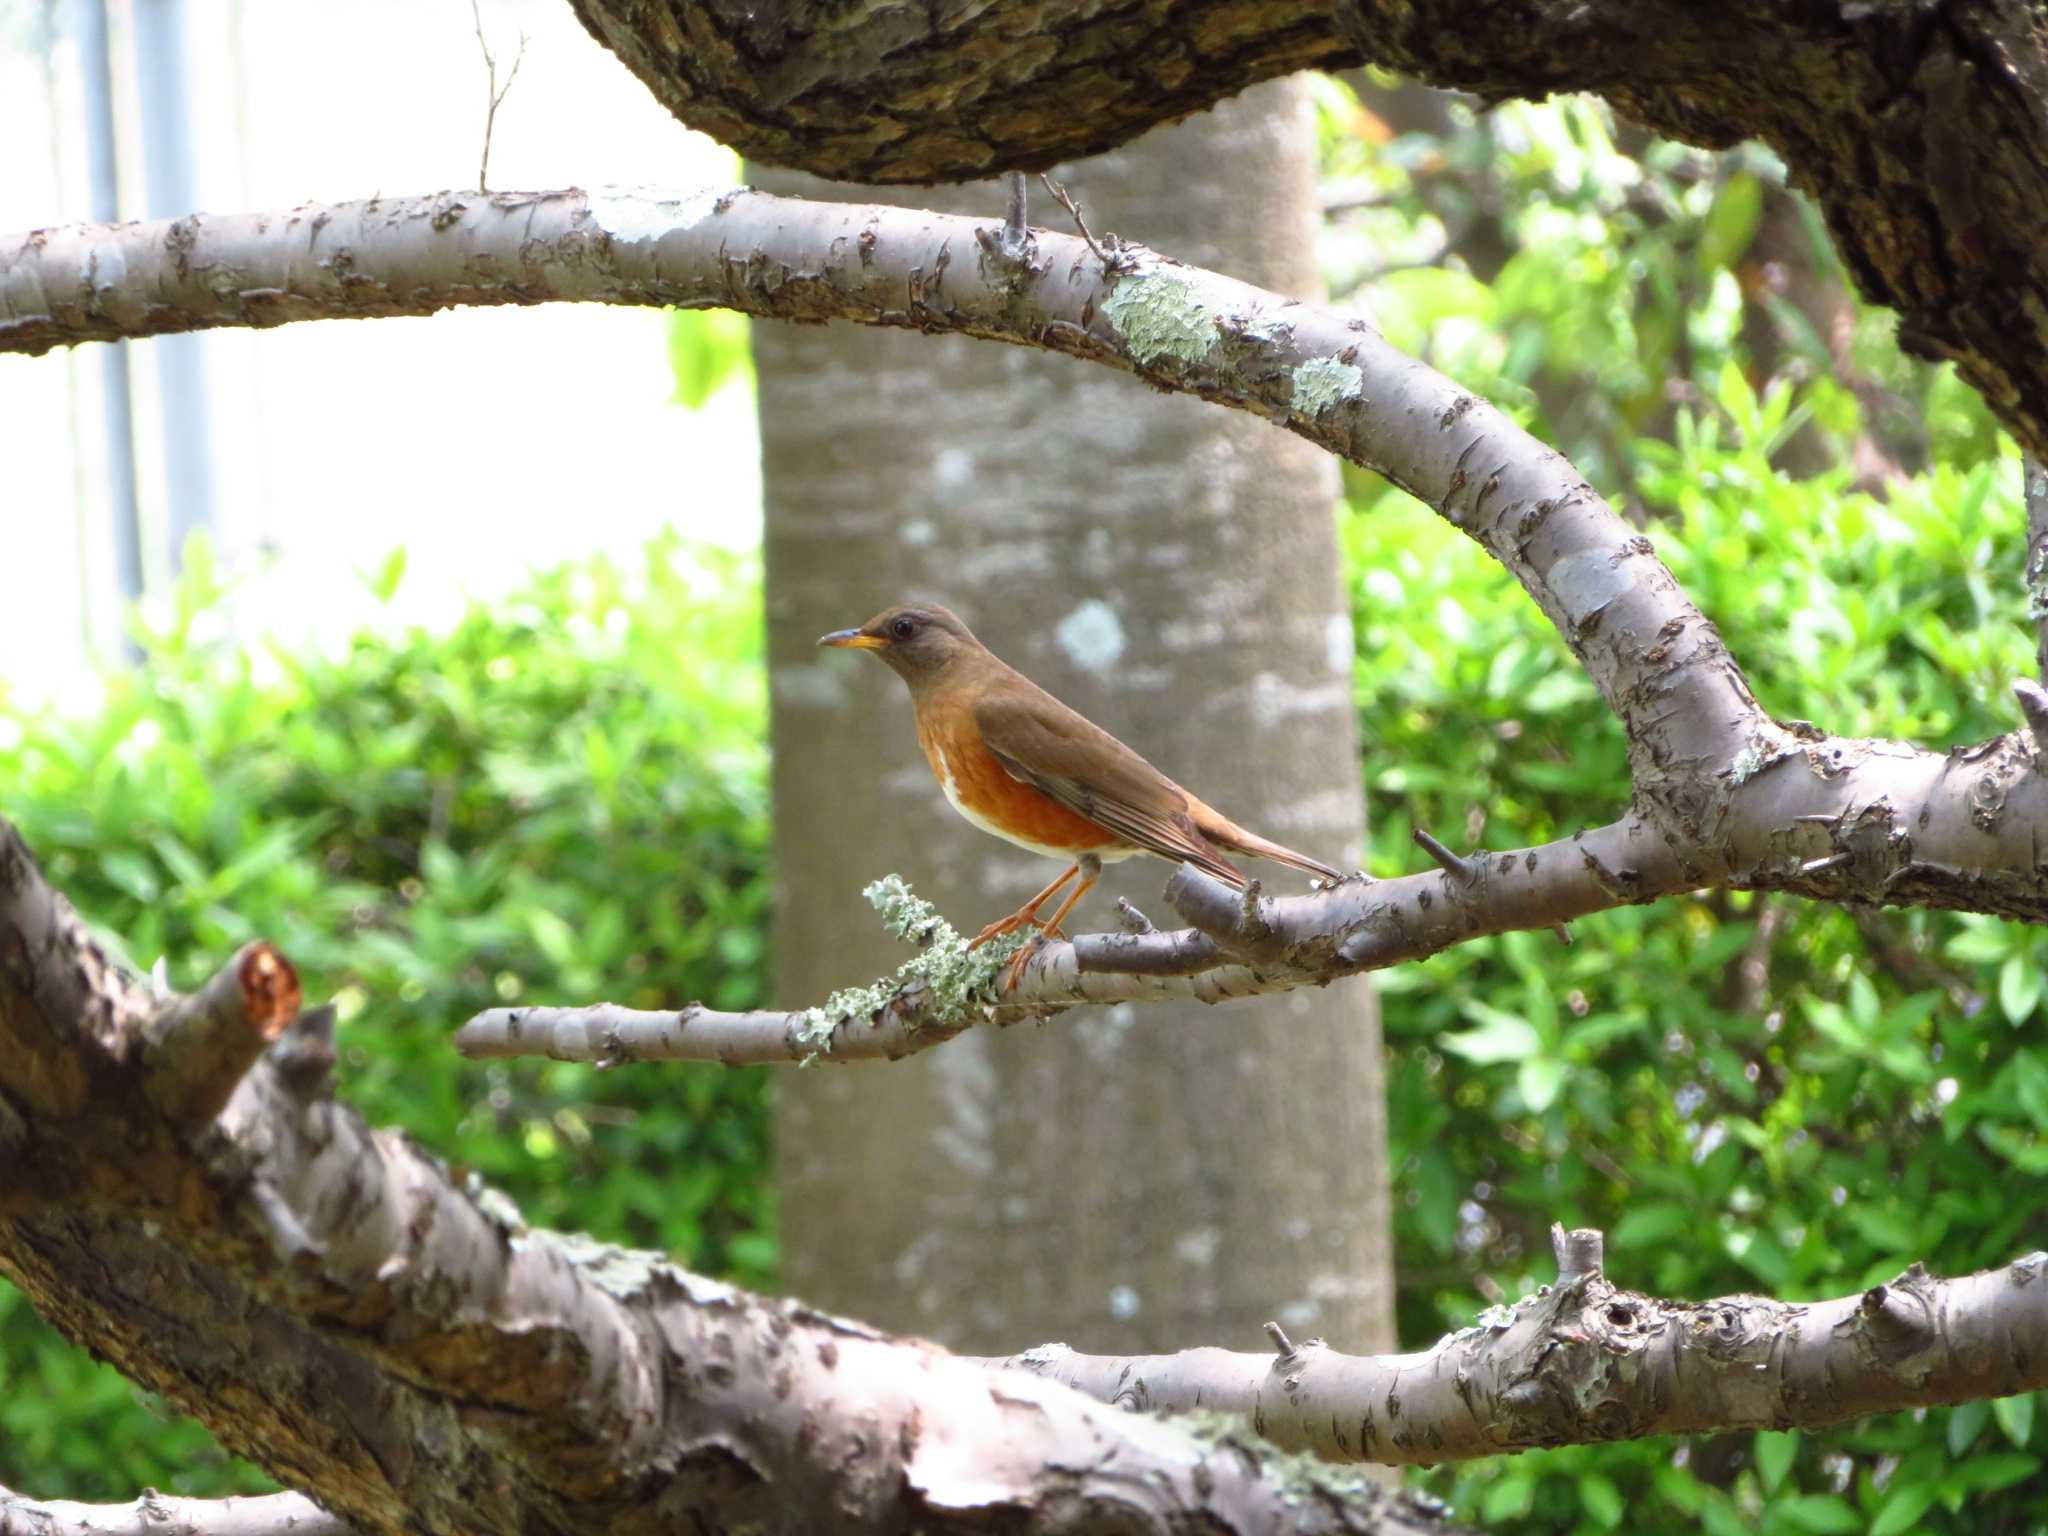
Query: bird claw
[997, 929]
[1014, 971]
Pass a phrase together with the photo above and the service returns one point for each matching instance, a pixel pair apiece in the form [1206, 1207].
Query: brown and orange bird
[1017, 762]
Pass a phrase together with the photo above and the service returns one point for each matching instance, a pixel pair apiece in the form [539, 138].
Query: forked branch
[1722, 795]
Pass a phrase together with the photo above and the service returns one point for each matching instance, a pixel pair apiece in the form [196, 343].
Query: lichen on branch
[957, 983]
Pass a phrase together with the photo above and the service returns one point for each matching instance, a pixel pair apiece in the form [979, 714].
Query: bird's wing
[1041, 742]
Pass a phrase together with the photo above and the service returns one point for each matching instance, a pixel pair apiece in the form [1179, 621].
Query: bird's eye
[904, 627]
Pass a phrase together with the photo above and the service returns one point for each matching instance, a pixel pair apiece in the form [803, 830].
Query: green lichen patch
[1322, 382]
[1158, 316]
[960, 981]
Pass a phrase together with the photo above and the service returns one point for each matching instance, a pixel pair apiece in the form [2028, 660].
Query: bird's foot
[1014, 971]
[1002, 926]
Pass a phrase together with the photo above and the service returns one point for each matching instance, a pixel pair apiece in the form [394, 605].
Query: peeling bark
[1585, 1361]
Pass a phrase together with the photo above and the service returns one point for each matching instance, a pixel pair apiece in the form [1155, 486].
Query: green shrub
[1748, 1093]
[563, 797]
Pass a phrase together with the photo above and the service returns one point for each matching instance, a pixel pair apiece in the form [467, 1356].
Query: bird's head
[918, 640]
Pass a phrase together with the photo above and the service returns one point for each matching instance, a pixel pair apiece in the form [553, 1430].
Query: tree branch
[157, 1514]
[335, 1304]
[1921, 131]
[1584, 1361]
[1723, 795]
[344, 1310]
[199, 1049]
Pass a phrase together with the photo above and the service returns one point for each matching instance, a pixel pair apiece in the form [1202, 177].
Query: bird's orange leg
[1028, 913]
[1051, 930]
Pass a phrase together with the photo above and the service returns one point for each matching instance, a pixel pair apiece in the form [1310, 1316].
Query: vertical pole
[116, 391]
[164, 85]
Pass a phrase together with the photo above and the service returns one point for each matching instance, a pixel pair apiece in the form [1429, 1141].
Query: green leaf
[2015, 1416]
[1824, 1514]
[1903, 1507]
[384, 580]
[1965, 1423]
[1775, 1452]
[1502, 1037]
[1645, 1226]
[1988, 1474]
[1510, 1498]
[1731, 222]
[707, 348]
[1762, 1255]
[2019, 987]
[1601, 1500]
[1538, 1082]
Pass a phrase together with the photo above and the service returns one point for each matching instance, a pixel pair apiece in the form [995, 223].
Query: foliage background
[564, 796]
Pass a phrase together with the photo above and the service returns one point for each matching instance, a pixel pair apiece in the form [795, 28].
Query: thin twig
[1457, 866]
[1110, 262]
[496, 94]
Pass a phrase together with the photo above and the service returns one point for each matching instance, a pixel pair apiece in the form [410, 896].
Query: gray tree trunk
[1122, 1179]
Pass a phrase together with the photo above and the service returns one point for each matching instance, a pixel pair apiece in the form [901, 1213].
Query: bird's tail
[1225, 833]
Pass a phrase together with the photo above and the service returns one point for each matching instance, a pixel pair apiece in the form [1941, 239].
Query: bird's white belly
[1108, 855]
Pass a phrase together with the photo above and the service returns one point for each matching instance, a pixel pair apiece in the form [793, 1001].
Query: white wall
[487, 442]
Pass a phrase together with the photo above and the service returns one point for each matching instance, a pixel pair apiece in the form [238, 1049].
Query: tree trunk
[1171, 572]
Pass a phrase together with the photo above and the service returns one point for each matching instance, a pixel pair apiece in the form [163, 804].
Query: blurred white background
[486, 442]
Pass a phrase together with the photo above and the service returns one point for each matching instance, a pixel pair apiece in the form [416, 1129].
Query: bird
[1016, 762]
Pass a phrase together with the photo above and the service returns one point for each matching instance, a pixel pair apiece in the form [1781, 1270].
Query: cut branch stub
[198, 1049]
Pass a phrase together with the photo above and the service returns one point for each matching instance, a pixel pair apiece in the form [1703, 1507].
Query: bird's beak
[854, 638]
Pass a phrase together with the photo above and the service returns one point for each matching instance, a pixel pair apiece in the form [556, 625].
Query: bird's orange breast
[981, 790]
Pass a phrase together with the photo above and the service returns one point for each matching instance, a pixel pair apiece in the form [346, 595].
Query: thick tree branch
[396, 1343]
[1921, 130]
[335, 1304]
[1724, 796]
[1741, 799]
[157, 1514]
[1583, 1361]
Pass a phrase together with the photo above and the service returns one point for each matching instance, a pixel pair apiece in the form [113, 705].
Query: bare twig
[1454, 865]
[1112, 260]
[494, 94]
[1130, 919]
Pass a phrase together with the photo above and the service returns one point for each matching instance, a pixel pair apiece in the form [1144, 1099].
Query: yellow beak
[854, 638]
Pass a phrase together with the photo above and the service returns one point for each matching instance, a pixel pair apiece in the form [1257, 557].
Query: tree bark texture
[392, 1341]
[1583, 1360]
[1921, 130]
[1172, 573]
